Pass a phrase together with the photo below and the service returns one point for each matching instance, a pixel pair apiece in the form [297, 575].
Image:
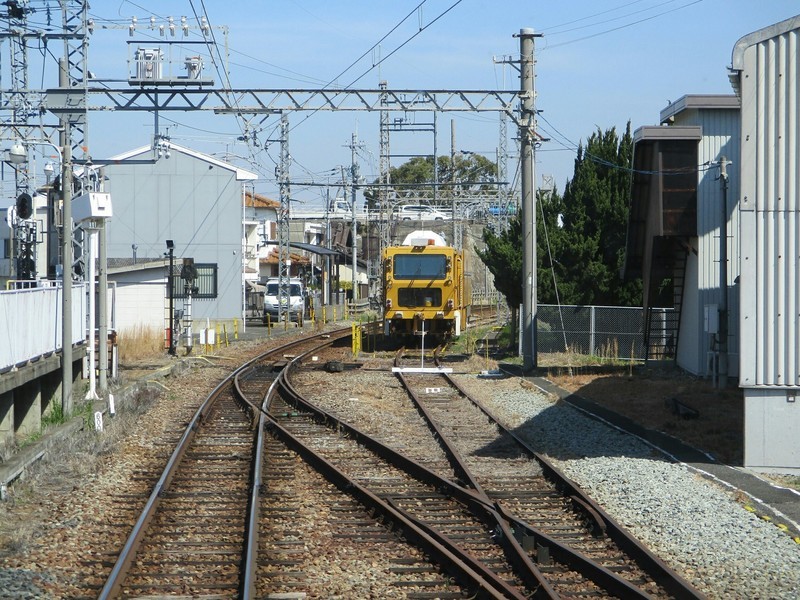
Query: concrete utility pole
[722, 380]
[456, 242]
[526, 134]
[66, 256]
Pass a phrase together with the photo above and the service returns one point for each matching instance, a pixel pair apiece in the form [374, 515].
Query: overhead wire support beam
[255, 101]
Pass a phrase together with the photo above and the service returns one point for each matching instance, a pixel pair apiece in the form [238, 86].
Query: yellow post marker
[225, 333]
[236, 329]
[356, 338]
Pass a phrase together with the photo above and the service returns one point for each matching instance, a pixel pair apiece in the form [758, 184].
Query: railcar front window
[420, 266]
[419, 297]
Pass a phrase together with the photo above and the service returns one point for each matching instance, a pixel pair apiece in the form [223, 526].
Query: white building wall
[140, 306]
[720, 139]
[192, 199]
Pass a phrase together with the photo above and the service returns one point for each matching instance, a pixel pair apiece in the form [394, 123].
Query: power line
[626, 25]
[603, 162]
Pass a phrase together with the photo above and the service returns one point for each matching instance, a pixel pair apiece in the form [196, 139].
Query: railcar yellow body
[425, 287]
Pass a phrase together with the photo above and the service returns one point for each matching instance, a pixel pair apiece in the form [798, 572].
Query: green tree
[588, 246]
[414, 178]
[550, 207]
[502, 255]
[580, 234]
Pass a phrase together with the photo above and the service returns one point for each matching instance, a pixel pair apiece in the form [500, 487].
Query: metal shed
[765, 75]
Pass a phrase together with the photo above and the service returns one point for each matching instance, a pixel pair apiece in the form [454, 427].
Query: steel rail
[515, 552]
[479, 504]
[476, 502]
[250, 561]
[661, 573]
[128, 553]
[260, 406]
[129, 550]
[470, 574]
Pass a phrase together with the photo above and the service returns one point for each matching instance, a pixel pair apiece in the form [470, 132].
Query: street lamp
[49, 171]
[17, 153]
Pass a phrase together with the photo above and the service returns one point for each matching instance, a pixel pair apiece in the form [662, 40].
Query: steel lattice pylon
[284, 259]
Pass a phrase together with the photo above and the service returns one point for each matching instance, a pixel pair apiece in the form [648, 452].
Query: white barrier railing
[30, 323]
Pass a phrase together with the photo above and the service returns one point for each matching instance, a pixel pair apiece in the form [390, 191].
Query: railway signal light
[24, 206]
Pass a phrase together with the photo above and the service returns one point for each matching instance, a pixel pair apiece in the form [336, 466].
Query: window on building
[205, 285]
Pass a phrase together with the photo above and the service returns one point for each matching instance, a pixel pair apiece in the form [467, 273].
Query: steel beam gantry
[272, 101]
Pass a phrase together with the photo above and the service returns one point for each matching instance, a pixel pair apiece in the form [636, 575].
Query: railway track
[195, 535]
[579, 547]
[269, 494]
[556, 536]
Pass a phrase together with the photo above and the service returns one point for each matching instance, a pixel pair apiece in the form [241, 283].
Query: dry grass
[139, 342]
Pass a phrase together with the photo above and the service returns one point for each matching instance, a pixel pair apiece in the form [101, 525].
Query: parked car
[296, 299]
[420, 212]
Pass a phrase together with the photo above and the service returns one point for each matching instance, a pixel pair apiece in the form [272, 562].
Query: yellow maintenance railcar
[425, 287]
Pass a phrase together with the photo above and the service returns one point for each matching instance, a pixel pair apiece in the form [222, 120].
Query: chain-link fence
[615, 332]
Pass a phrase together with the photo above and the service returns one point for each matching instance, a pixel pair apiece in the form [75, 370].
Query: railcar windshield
[420, 266]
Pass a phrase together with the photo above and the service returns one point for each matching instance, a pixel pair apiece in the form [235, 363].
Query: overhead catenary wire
[572, 146]
[549, 46]
[383, 59]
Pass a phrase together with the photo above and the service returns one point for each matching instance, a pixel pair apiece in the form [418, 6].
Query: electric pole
[527, 126]
[284, 258]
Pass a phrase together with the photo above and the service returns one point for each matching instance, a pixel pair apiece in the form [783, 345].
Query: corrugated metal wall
[769, 86]
[720, 138]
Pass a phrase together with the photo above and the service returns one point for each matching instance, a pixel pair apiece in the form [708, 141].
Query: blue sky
[599, 64]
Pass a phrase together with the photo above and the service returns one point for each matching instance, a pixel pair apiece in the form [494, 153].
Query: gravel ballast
[696, 526]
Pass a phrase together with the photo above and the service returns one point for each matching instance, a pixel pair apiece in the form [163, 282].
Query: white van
[297, 299]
